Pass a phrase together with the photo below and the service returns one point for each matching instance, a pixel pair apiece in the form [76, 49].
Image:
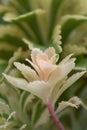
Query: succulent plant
[41, 24]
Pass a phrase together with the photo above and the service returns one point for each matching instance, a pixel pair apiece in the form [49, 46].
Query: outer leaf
[69, 23]
[31, 19]
[55, 4]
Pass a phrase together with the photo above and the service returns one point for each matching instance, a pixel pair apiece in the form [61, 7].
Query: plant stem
[54, 116]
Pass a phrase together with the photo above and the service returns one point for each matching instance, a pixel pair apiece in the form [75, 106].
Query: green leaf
[39, 110]
[13, 41]
[21, 6]
[31, 20]
[23, 99]
[69, 23]
[81, 61]
[53, 14]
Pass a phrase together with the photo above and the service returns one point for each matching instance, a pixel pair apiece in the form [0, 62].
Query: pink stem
[54, 116]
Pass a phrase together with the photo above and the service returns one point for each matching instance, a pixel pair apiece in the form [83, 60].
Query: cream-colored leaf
[38, 88]
[73, 102]
[70, 81]
[51, 54]
[17, 82]
[34, 54]
[28, 73]
[46, 68]
[66, 59]
[34, 66]
[60, 72]
[56, 89]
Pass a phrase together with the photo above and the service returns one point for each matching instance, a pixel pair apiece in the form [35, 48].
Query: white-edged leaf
[73, 102]
[70, 81]
[38, 88]
[28, 73]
